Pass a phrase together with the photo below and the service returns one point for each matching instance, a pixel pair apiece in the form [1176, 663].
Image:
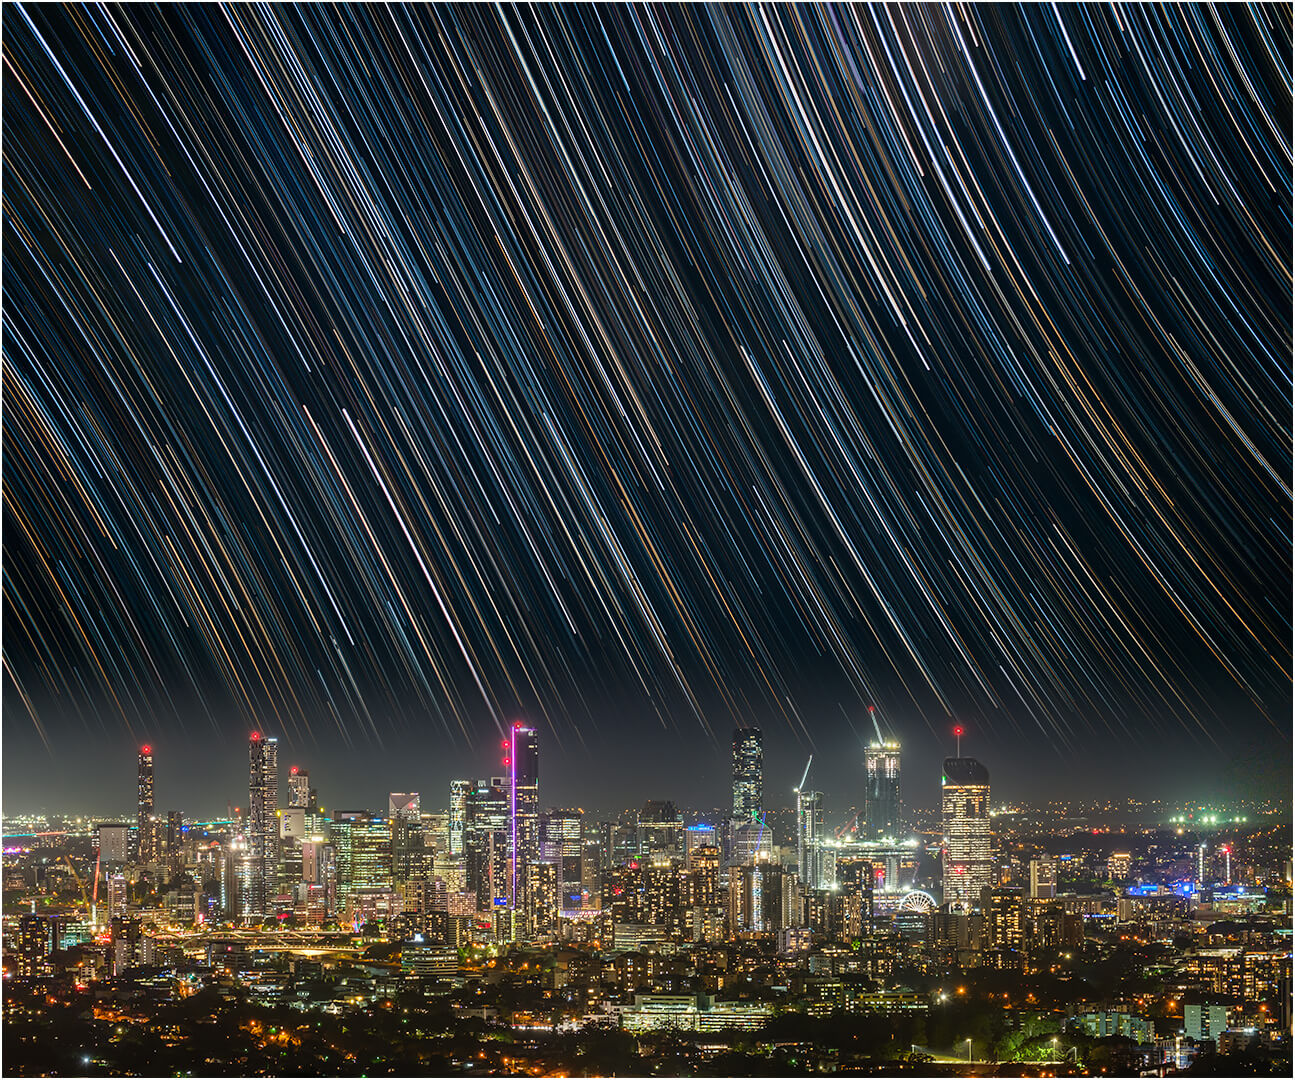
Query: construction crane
[872, 715]
[80, 885]
[94, 896]
[848, 826]
[801, 786]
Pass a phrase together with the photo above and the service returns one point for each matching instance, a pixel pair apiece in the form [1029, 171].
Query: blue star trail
[376, 368]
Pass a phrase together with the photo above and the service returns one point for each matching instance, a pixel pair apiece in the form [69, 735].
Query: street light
[1054, 1049]
[968, 1051]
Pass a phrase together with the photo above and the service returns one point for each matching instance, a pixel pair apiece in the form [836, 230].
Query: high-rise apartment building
[967, 863]
[173, 846]
[809, 838]
[523, 810]
[883, 809]
[146, 826]
[562, 843]
[458, 816]
[262, 824]
[1043, 878]
[298, 788]
[748, 774]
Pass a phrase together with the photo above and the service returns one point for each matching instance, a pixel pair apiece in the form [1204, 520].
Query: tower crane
[80, 885]
[801, 786]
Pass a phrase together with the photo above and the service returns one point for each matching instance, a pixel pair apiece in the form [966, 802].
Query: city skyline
[639, 374]
[701, 782]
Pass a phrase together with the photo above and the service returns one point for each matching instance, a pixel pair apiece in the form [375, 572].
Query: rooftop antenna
[957, 732]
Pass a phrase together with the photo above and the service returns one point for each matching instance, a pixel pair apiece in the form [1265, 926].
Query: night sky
[375, 377]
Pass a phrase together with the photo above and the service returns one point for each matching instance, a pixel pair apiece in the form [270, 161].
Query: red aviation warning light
[293, 770]
[255, 736]
[957, 731]
[146, 749]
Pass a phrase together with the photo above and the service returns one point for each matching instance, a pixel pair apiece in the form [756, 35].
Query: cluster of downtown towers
[493, 856]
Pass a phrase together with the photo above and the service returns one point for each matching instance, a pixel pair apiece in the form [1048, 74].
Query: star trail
[371, 370]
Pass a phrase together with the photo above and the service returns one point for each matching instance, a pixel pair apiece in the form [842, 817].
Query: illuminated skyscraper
[523, 809]
[458, 817]
[660, 830]
[1043, 878]
[408, 848]
[882, 808]
[262, 823]
[298, 788]
[809, 838]
[562, 843]
[405, 805]
[967, 863]
[146, 833]
[362, 842]
[748, 774]
[297, 826]
[486, 837]
[114, 843]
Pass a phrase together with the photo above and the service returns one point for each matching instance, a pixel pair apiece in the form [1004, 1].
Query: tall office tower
[296, 828]
[748, 774]
[486, 841]
[883, 811]
[292, 836]
[458, 815]
[319, 873]
[562, 842]
[114, 843]
[809, 838]
[362, 846]
[298, 788]
[146, 832]
[967, 865]
[404, 805]
[523, 809]
[407, 846]
[262, 823]
[660, 830]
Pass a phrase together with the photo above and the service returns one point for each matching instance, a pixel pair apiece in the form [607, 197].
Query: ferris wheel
[918, 901]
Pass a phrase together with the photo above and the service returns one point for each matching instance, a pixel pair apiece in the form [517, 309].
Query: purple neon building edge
[523, 808]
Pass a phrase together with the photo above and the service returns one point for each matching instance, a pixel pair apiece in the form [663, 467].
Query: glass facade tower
[748, 774]
[967, 861]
